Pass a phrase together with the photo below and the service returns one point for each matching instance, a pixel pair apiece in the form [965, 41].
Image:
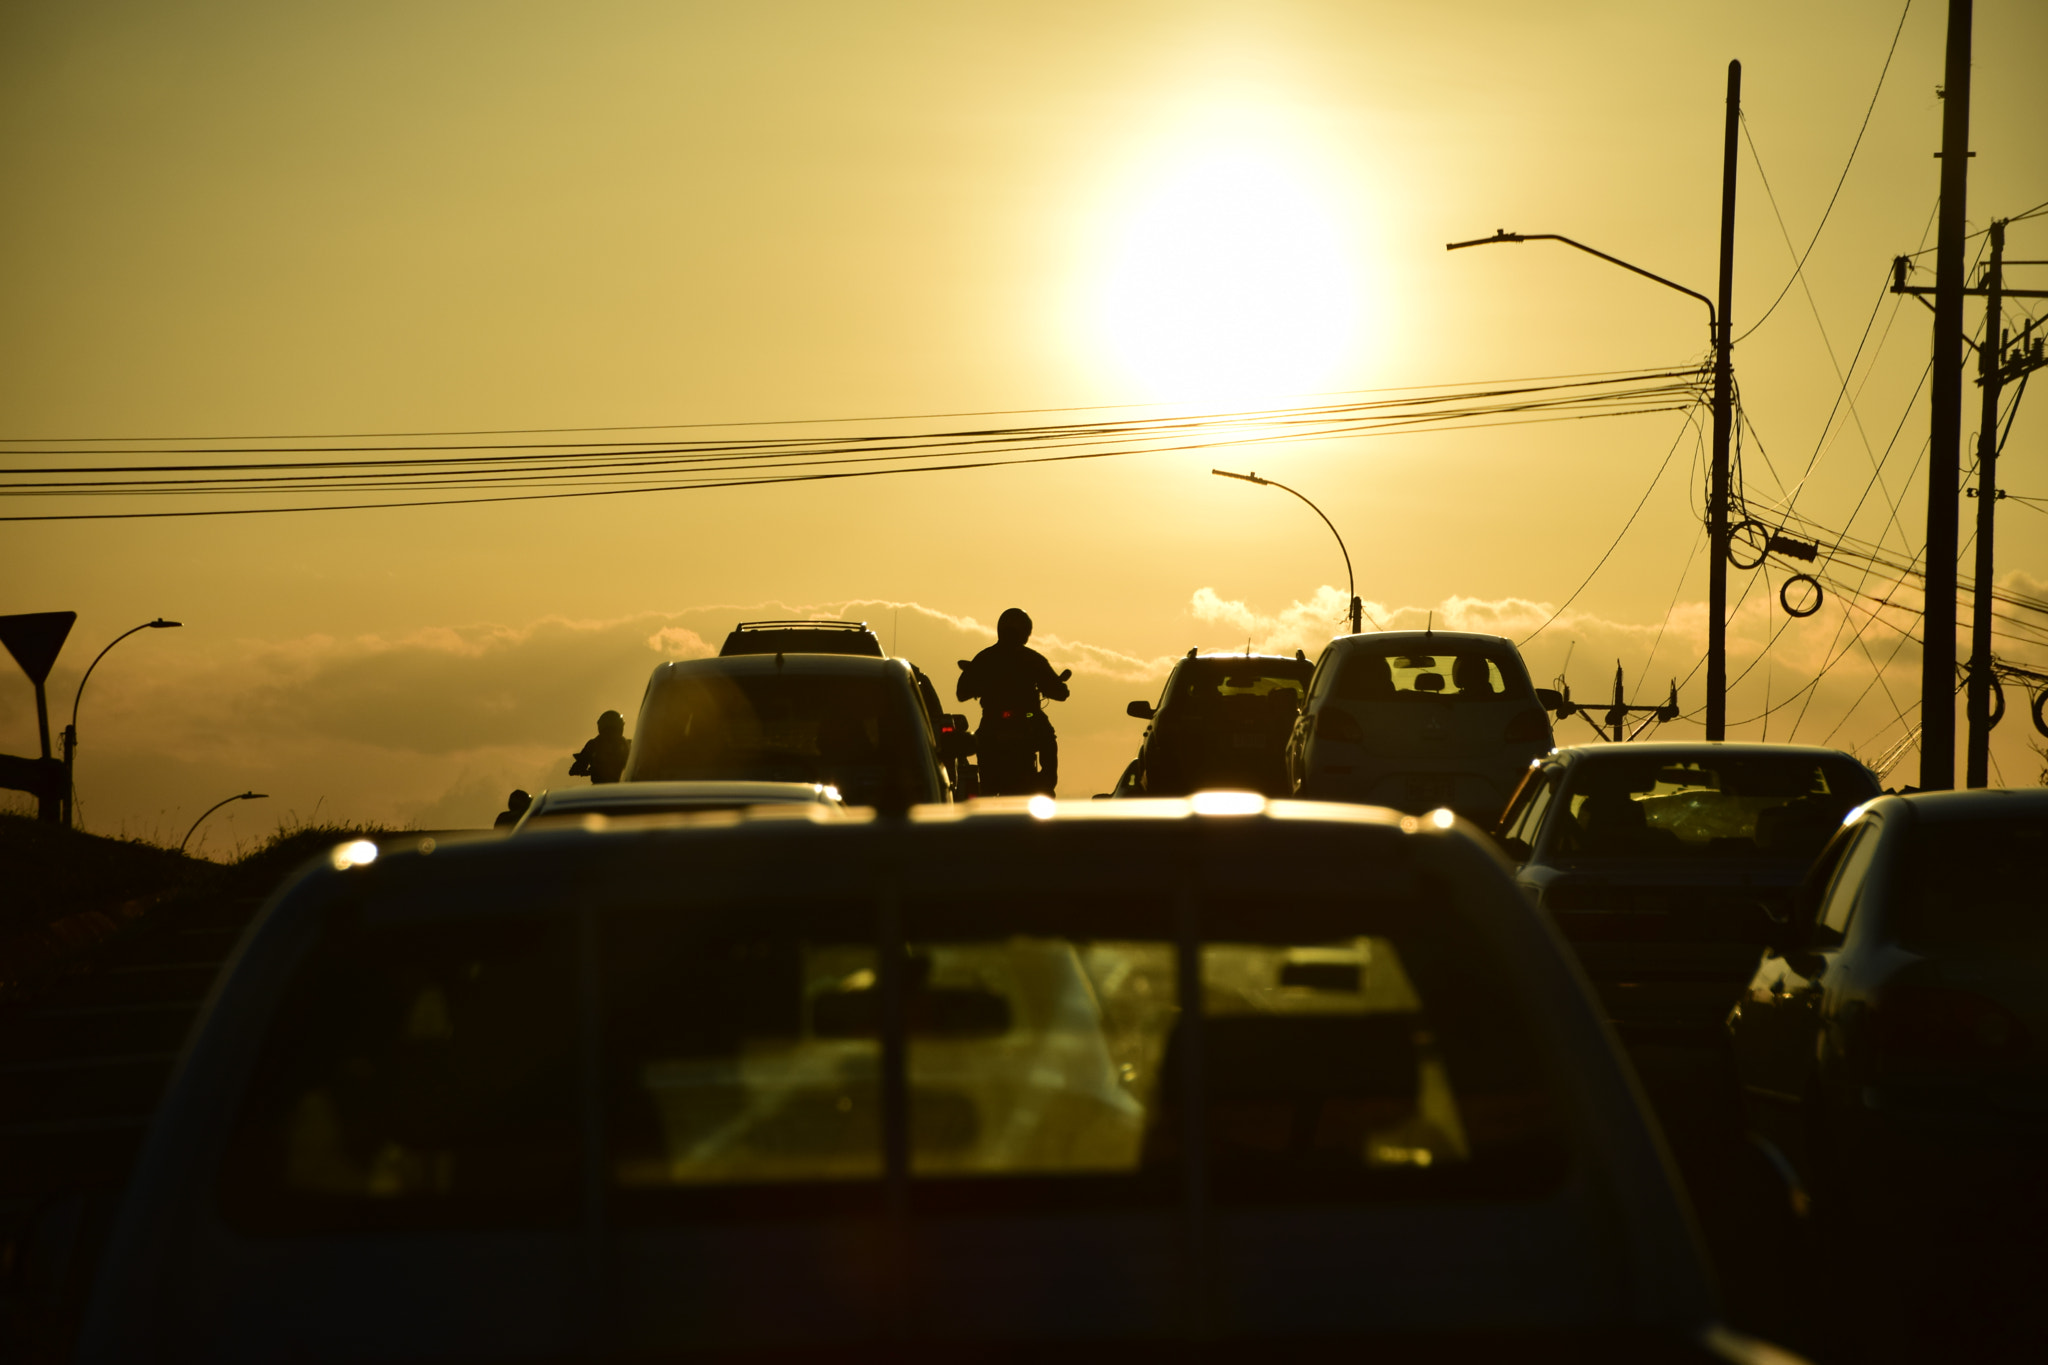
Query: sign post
[34, 639]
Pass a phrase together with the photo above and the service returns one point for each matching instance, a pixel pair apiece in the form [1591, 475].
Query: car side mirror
[1549, 698]
[1140, 709]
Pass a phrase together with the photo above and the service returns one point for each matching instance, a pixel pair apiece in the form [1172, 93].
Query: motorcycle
[1006, 749]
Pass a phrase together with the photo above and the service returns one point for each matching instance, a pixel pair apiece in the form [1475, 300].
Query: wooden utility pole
[1724, 404]
[1977, 763]
[1944, 464]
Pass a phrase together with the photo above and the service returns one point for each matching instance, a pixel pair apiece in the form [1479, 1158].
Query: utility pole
[1724, 383]
[1944, 463]
[1977, 762]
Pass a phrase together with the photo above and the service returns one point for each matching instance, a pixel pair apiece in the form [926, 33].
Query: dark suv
[1222, 721]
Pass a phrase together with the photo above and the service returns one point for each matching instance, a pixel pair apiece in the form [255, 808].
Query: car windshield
[1712, 806]
[425, 1076]
[1467, 673]
[858, 733]
[1974, 887]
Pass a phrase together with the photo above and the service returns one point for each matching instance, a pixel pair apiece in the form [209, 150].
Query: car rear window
[430, 1076]
[1974, 887]
[858, 733]
[1467, 673]
[1208, 686]
[1720, 806]
[744, 1057]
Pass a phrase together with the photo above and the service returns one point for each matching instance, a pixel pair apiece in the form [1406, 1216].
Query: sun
[1231, 277]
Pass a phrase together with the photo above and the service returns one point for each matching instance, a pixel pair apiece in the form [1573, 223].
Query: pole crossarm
[1503, 235]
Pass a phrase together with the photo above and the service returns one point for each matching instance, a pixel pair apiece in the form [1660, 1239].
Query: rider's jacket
[1009, 677]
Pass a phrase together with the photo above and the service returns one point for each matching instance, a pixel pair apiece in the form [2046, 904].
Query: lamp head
[161, 624]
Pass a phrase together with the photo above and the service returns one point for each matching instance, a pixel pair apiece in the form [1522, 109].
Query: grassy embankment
[62, 892]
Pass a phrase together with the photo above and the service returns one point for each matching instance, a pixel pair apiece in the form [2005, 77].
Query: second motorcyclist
[1010, 678]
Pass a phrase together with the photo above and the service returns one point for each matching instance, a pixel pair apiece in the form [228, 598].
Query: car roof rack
[802, 637]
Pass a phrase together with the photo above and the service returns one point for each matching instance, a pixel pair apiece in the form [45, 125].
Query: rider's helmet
[1013, 627]
[611, 723]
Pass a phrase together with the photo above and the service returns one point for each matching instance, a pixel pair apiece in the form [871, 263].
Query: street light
[71, 730]
[1350, 583]
[1717, 492]
[239, 796]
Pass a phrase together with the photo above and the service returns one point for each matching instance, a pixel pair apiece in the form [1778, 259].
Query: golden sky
[243, 218]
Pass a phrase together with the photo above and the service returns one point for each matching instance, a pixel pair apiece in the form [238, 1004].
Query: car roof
[1957, 807]
[623, 795]
[1697, 748]
[1221, 657]
[1410, 638]
[753, 665]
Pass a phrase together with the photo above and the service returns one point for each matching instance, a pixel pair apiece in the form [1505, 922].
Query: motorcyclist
[603, 758]
[1009, 676]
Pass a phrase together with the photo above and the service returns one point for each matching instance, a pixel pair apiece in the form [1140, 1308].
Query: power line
[1690, 422]
[1800, 266]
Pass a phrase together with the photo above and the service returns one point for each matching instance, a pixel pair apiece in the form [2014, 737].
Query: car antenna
[1429, 628]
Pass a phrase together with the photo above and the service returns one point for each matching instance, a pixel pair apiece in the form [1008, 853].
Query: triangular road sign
[34, 638]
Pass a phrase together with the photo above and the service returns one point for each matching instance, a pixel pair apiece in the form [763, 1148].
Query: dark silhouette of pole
[239, 796]
[1350, 583]
[1977, 760]
[1724, 385]
[1938, 622]
[71, 730]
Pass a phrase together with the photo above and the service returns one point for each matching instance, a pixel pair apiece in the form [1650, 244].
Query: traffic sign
[34, 639]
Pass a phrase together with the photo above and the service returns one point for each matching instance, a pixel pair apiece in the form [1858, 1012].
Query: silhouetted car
[1221, 721]
[564, 805]
[1897, 1039]
[1669, 866]
[1418, 719]
[855, 723]
[779, 1089]
[802, 637]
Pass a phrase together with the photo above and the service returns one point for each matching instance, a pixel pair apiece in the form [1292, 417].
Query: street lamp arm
[238, 796]
[1350, 579]
[158, 624]
[1501, 235]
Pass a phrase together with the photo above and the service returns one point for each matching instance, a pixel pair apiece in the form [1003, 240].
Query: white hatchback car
[1417, 719]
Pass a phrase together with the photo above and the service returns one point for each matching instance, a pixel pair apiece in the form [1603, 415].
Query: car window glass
[1714, 807]
[857, 733]
[1524, 818]
[1838, 906]
[752, 1059]
[1974, 887]
[416, 1077]
[1389, 675]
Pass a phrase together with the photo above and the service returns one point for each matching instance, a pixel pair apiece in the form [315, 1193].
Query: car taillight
[1931, 1025]
[1339, 726]
[1527, 727]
